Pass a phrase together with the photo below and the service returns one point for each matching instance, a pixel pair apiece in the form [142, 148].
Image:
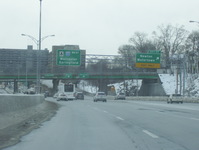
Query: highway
[117, 125]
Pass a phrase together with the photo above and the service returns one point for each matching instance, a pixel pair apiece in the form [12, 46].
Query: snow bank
[168, 83]
[48, 83]
[193, 85]
[119, 87]
[85, 86]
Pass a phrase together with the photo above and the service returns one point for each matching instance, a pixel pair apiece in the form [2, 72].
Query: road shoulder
[20, 124]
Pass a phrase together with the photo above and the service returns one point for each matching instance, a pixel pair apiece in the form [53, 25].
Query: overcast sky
[98, 26]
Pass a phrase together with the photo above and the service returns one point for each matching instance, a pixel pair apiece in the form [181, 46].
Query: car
[46, 94]
[55, 95]
[31, 91]
[100, 96]
[79, 95]
[120, 96]
[61, 96]
[174, 98]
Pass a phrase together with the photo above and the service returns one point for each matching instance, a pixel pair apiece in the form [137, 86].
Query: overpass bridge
[83, 76]
[95, 67]
[150, 80]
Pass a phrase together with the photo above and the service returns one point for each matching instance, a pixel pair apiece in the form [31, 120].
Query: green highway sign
[148, 60]
[68, 57]
[154, 51]
[83, 75]
[68, 75]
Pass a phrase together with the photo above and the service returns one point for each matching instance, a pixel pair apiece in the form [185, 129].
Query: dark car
[46, 94]
[79, 95]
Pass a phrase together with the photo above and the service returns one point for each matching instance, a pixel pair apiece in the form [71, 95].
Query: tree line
[170, 40]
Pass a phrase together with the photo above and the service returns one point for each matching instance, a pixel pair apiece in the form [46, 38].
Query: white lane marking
[105, 111]
[119, 118]
[108, 113]
[197, 119]
[150, 134]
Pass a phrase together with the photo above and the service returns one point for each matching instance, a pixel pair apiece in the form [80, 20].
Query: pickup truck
[174, 98]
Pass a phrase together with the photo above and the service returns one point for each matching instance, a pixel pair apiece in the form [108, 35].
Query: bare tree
[141, 43]
[170, 39]
[128, 53]
[192, 42]
[192, 53]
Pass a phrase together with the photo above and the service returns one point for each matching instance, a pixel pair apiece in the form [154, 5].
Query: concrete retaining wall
[9, 103]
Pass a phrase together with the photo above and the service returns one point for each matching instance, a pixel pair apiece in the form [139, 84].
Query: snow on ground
[85, 86]
[48, 83]
[195, 90]
[119, 87]
[3, 91]
[168, 83]
[193, 85]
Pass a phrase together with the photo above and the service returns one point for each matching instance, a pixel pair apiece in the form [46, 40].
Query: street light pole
[38, 42]
[35, 40]
[38, 54]
[40, 25]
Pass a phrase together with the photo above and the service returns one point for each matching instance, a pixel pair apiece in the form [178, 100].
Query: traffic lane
[174, 129]
[187, 110]
[149, 132]
[77, 126]
[163, 104]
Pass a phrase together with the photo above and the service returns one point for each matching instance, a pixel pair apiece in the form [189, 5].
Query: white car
[62, 96]
[174, 98]
[100, 96]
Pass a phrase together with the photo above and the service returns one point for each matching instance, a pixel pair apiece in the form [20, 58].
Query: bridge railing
[104, 75]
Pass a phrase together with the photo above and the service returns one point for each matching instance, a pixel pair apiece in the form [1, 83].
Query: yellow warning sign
[147, 65]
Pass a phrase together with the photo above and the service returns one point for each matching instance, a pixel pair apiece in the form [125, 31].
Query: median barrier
[158, 98]
[163, 98]
[147, 98]
[14, 102]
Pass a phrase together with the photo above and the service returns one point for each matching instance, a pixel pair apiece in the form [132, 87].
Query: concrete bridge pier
[102, 84]
[55, 86]
[151, 87]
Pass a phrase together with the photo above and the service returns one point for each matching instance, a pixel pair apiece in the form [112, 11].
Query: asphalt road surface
[117, 125]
